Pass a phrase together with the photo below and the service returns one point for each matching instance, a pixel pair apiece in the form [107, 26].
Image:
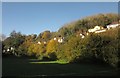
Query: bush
[102, 46]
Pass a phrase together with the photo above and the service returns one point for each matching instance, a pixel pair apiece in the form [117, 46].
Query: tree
[14, 41]
[52, 48]
[102, 47]
[13, 33]
[46, 35]
[70, 51]
[41, 50]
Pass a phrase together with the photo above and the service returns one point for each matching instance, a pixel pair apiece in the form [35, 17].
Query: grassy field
[32, 67]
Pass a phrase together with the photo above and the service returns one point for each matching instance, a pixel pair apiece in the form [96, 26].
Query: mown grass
[26, 67]
[50, 62]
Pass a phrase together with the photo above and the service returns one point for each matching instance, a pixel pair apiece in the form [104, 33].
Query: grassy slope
[22, 67]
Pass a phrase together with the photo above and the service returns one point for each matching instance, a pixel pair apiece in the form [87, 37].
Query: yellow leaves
[52, 46]
[37, 49]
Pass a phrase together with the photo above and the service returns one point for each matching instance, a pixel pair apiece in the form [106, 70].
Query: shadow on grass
[23, 67]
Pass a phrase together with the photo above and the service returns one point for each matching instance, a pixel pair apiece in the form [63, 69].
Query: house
[87, 33]
[55, 38]
[82, 35]
[99, 31]
[95, 29]
[39, 42]
[12, 48]
[60, 40]
[114, 25]
[45, 42]
[8, 50]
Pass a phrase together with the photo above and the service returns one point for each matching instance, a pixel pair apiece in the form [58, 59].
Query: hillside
[88, 22]
[94, 39]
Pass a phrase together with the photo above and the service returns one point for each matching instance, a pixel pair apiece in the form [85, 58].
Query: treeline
[94, 47]
[86, 23]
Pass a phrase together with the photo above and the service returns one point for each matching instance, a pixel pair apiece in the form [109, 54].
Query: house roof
[114, 23]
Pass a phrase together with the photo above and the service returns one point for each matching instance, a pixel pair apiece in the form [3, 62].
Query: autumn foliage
[94, 47]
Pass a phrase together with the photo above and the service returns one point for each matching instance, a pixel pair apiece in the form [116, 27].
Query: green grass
[28, 67]
[50, 62]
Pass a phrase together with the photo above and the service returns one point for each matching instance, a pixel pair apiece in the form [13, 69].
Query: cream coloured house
[82, 36]
[87, 33]
[39, 42]
[8, 50]
[112, 26]
[95, 29]
[12, 48]
[55, 38]
[45, 42]
[100, 31]
[60, 40]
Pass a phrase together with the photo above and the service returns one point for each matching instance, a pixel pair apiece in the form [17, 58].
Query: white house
[8, 50]
[99, 31]
[87, 33]
[44, 42]
[55, 38]
[12, 48]
[60, 40]
[112, 26]
[82, 36]
[95, 29]
[39, 42]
